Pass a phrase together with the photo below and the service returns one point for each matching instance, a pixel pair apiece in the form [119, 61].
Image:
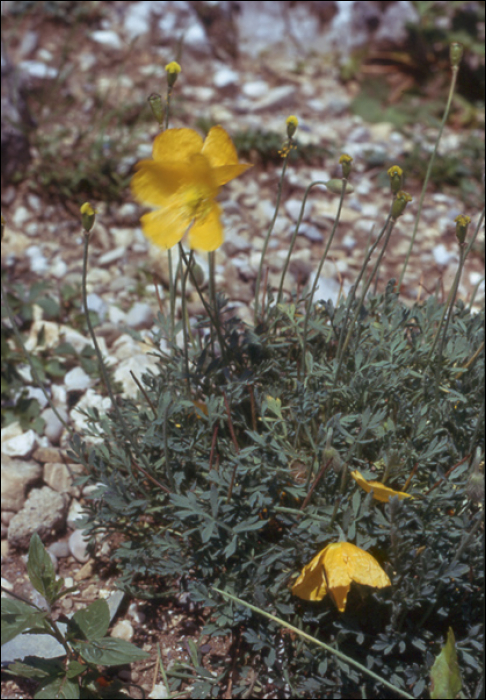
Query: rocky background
[75, 119]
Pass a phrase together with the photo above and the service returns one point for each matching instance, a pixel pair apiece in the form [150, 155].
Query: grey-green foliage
[220, 503]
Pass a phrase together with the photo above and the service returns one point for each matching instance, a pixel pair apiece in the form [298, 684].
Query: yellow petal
[219, 149]
[154, 183]
[362, 567]
[380, 491]
[311, 584]
[207, 232]
[176, 145]
[225, 173]
[165, 227]
[337, 574]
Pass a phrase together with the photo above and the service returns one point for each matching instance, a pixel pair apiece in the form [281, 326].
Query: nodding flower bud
[475, 484]
[172, 69]
[155, 102]
[399, 203]
[292, 124]
[462, 222]
[87, 216]
[198, 273]
[455, 53]
[336, 186]
[395, 173]
[345, 162]
[332, 456]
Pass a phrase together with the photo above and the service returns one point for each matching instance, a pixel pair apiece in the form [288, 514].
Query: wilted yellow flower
[334, 568]
[380, 491]
[345, 161]
[181, 183]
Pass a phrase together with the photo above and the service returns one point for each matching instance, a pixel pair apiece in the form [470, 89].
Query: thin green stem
[185, 318]
[352, 293]
[212, 294]
[294, 237]
[475, 234]
[448, 306]
[313, 640]
[101, 363]
[172, 286]
[462, 260]
[316, 280]
[172, 295]
[455, 70]
[390, 223]
[35, 374]
[267, 238]
[205, 304]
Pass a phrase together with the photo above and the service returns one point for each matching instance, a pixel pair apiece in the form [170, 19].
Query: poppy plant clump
[181, 182]
[334, 568]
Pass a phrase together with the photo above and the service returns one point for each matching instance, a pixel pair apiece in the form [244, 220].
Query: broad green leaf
[110, 652]
[445, 676]
[93, 620]
[41, 571]
[18, 617]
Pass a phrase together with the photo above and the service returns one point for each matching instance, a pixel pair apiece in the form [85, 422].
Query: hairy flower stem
[213, 318]
[331, 650]
[449, 307]
[172, 289]
[172, 296]
[463, 253]
[318, 272]
[294, 237]
[35, 374]
[388, 228]
[212, 294]
[185, 320]
[267, 238]
[101, 362]
[455, 70]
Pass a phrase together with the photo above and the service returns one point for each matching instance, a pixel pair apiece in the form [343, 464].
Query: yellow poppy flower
[380, 491]
[181, 183]
[334, 568]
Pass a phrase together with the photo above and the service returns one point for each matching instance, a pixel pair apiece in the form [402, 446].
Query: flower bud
[345, 162]
[475, 487]
[399, 204]
[462, 222]
[395, 173]
[336, 186]
[172, 69]
[455, 53]
[155, 102]
[332, 455]
[292, 124]
[198, 274]
[87, 216]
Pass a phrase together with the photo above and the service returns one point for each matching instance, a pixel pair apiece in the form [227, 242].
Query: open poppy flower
[181, 183]
[334, 568]
[380, 491]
